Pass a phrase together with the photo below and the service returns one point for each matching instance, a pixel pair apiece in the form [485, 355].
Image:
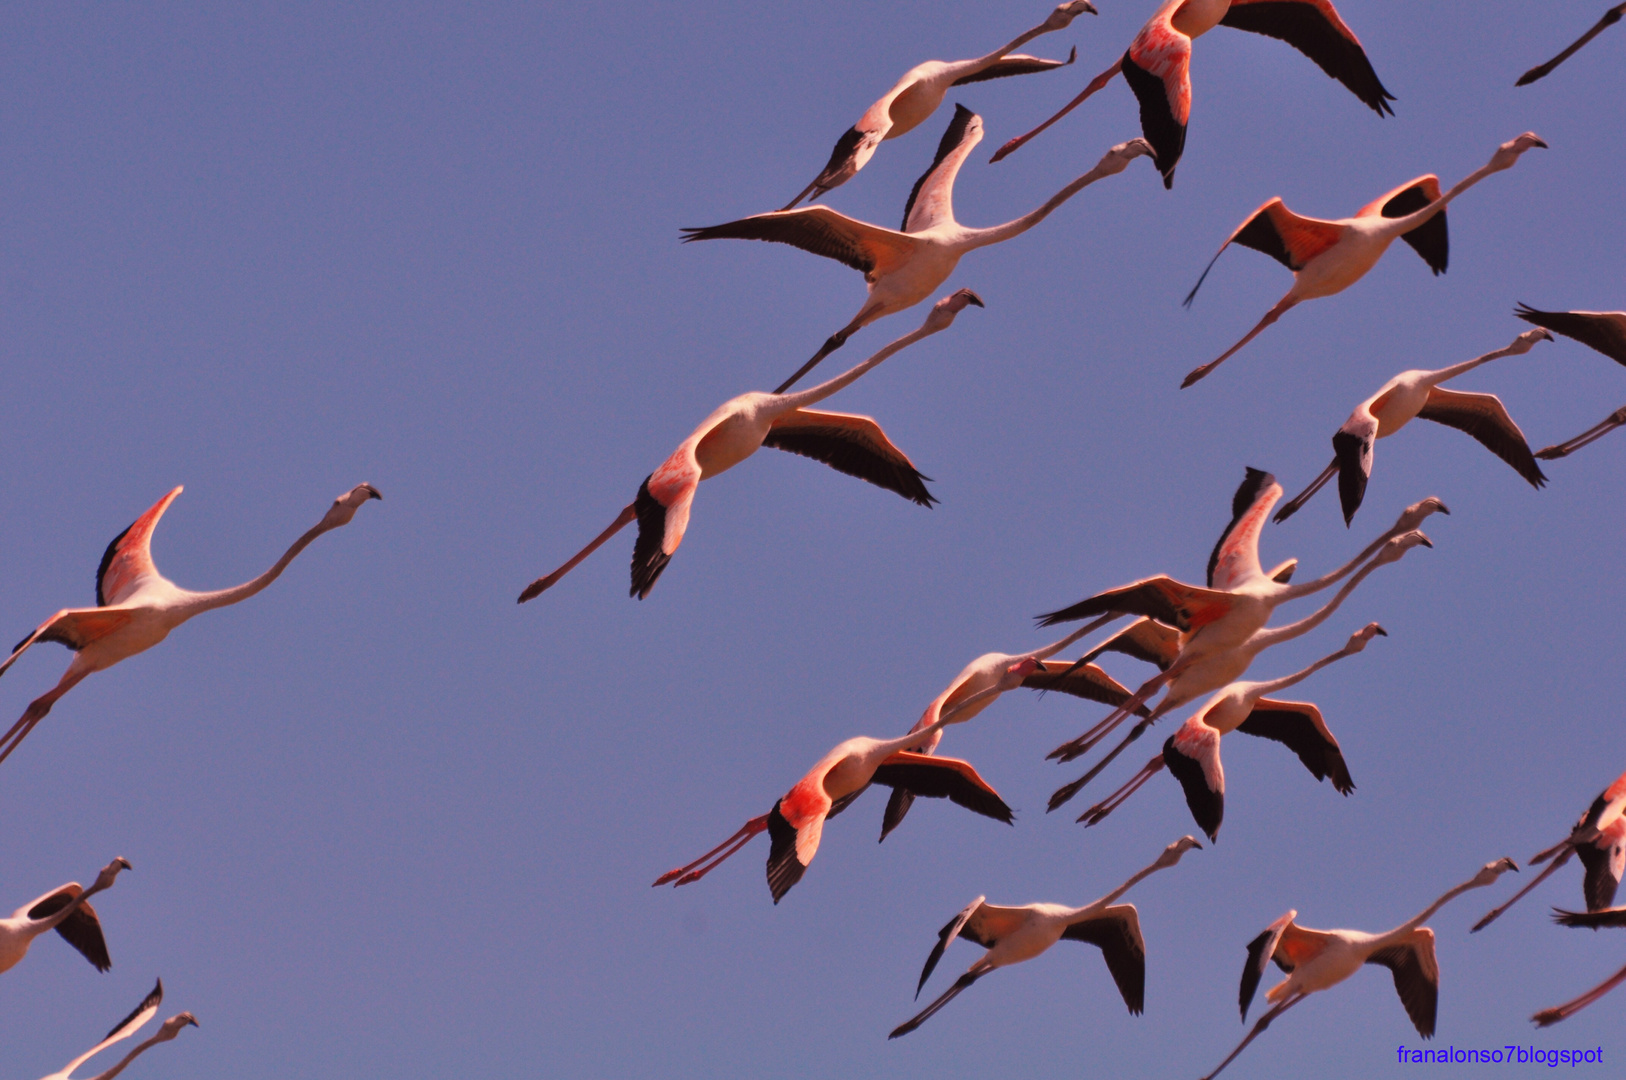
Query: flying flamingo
[1192, 754]
[904, 267]
[137, 607]
[1014, 934]
[1213, 670]
[67, 911]
[914, 98]
[1157, 66]
[128, 1027]
[1318, 959]
[1599, 838]
[1594, 920]
[1327, 257]
[854, 445]
[1604, 331]
[796, 821]
[1418, 393]
[1235, 606]
[1540, 71]
[1086, 681]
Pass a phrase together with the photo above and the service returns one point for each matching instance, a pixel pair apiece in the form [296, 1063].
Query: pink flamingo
[914, 98]
[137, 607]
[1014, 934]
[127, 1027]
[1319, 959]
[1327, 257]
[1599, 839]
[796, 822]
[1192, 754]
[854, 445]
[1157, 66]
[66, 910]
[1413, 394]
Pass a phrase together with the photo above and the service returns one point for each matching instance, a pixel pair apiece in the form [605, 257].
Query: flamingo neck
[976, 238]
[1057, 646]
[1297, 677]
[1447, 374]
[208, 601]
[1423, 916]
[1266, 638]
[1125, 887]
[131, 1056]
[1393, 227]
[788, 402]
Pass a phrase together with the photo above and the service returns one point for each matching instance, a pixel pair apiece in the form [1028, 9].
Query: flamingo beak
[973, 298]
[1382, 632]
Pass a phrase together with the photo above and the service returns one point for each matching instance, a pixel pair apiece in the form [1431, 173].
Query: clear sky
[387, 823]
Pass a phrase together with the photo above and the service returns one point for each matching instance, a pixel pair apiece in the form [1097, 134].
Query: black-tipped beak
[1426, 542]
[372, 493]
[1382, 632]
[1544, 146]
[973, 298]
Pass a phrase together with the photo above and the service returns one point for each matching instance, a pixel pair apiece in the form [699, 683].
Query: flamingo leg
[1296, 503]
[1097, 83]
[36, 711]
[1271, 316]
[831, 344]
[543, 584]
[695, 871]
[1085, 742]
[1590, 435]
[1097, 813]
[1258, 1028]
[1492, 916]
[1541, 71]
[1549, 1017]
[943, 999]
[1065, 793]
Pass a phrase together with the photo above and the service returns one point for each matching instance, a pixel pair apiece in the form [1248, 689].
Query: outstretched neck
[1424, 915]
[977, 238]
[131, 1056]
[208, 601]
[1057, 646]
[1266, 638]
[1293, 592]
[1285, 681]
[1401, 225]
[787, 402]
[1447, 374]
[1125, 887]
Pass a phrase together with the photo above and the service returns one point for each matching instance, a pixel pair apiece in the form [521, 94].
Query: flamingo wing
[1299, 726]
[1314, 29]
[1235, 557]
[1261, 951]
[795, 825]
[1015, 64]
[934, 777]
[1485, 418]
[1604, 331]
[82, 929]
[1594, 920]
[854, 445]
[128, 559]
[1157, 68]
[1192, 754]
[76, 628]
[1273, 229]
[931, 200]
[1353, 446]
[1417, 977]
[1162, 598]
[124, 1028]
[945, 937]
[1080, 680]
[1144, 639]
[1116, 932]
[869, 249]
[1605, 862]
[1432, 239]
[662, 506]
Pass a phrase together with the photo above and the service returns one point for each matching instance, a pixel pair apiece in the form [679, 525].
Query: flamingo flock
[1202, 640]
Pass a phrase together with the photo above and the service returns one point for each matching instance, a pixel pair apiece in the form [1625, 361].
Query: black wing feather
[1125, 957]
[847, 451]
[1431, 239]
[1417, 993]
[1303, 27]
[1295, 731]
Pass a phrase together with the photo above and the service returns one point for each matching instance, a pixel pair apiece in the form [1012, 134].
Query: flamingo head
[1399, 545]
[1118, 158]
[1418, 512]
[941, 317]
[109, 872]
[1528, 340]
[1019, 671]
[1493, 870]
[1508, 154]
[1358, 640]
[345, 506]
[1064, 14]
[1172, 853]
[172, 1027]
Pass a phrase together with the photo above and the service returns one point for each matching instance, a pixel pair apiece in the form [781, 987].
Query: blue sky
[386, 822]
